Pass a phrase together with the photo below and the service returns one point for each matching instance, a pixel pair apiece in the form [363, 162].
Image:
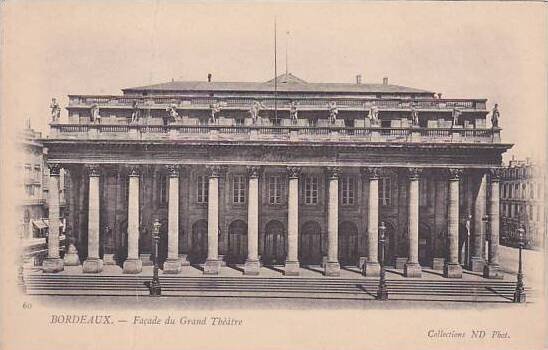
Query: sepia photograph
[273, 175]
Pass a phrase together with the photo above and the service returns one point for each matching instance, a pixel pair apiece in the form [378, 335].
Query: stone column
[213, 264]
[93, 263]
[173, 263]
[479, 230]
[372, 267]
[292, 260]
[332, 267]
[133, 264]
[252, 265]
[412, 267]
[53, 263]
[452, 268]
[492, 269]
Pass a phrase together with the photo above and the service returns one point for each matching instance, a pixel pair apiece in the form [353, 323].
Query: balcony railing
[289, 133]
[245, 103]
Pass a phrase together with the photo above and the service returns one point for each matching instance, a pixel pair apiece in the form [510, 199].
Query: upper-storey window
[239, 121]
[28, 171]
[347, 190]
[310, 185]
[238, 189]
[202, 189]
[275, 189]
[516, 191]
[510, 189]
[385, 191]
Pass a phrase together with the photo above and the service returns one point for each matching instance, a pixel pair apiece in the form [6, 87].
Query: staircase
[260, 287]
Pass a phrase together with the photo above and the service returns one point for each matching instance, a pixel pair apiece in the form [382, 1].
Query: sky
[487, 50]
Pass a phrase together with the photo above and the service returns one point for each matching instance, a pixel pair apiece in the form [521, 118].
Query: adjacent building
[522, 203]
[283, 172]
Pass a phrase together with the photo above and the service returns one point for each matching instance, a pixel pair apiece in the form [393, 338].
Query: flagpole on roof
[275, 76]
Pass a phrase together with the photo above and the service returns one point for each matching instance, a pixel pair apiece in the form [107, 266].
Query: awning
[44, 223]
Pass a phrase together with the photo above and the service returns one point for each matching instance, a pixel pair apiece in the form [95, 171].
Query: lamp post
[519, 294]
[485, 220]
[154, 287]
[382, 291]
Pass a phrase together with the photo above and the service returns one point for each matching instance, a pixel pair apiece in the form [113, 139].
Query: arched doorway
[348, 243]
[274, 243]
[425, 256]
[198, 250]
[310, 244]
[237, 242]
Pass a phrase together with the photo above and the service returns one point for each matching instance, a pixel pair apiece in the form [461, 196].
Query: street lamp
[382, 291]
[519, 294]
[485, 220]
[154, 287]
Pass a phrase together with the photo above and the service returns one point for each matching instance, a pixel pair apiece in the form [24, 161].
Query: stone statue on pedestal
[94, 115]
[136, 113]
[215, 108]
[173, 115]
[55, 110]
[495, 115]
[254, 111]
[333, 112]
[293, 112]
[414, 116]
[373, 115]
[456, 115]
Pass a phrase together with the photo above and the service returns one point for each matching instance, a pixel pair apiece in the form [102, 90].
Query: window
[37, 172]
[163, 194]
[203, 189]
[347, 190]
[238, 189]
[275, 190]
[516, 191]
[385, 191]
[29, 189]
[28, 171]
[510, 191]
[532, 190]
[311, 190]
[539, 191]
[239, 122]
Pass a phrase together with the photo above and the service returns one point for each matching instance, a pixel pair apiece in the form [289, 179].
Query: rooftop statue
[136, 113]
[95, 117]
[55, 110]
[495, 115]
[293, 111]
[414, 116]
[333, 111]
[373, 115]
[215, 108]
[255, 109]
[173, 115]
[456, 115]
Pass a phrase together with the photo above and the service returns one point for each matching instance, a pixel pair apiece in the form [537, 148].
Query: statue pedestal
[71, 257]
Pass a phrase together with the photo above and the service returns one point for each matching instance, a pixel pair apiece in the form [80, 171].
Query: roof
[286, 83]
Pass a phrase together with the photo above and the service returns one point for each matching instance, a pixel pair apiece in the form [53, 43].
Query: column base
[372, 269]
[452, 270]
[133, 266]
[212, 267]
[492, 271]
[332, 268]
[52, 265]
[291, 268]
[438, 264]
[71, 257]
[477, 264]
[400, 263]
[92, 265]
[252, 267]
[412, 270]
[184, 259]
[146, 259]
[362, 261]
[108, 259]
[172, 266]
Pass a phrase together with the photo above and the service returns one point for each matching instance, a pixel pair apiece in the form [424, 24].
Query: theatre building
[283, 172]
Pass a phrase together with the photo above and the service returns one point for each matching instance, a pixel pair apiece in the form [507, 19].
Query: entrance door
[237, 242]
[274, 244]
[198, 251]
[348, 244]
[310, 249]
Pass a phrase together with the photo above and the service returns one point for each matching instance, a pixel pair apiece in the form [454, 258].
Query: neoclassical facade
[295, 174]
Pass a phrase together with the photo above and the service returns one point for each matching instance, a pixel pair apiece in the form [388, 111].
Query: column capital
[455, 174]
[373, 173]
[93, 170]
[293, 172]
[54, 169]
[495, 174]
[174, 170]
[253, 171]
[333, 172]
[134, 171]
[414, 173]
[214, 170]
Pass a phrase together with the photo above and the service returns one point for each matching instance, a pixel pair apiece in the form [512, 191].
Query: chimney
[358, 79]
[385, 81]
[209, 77]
